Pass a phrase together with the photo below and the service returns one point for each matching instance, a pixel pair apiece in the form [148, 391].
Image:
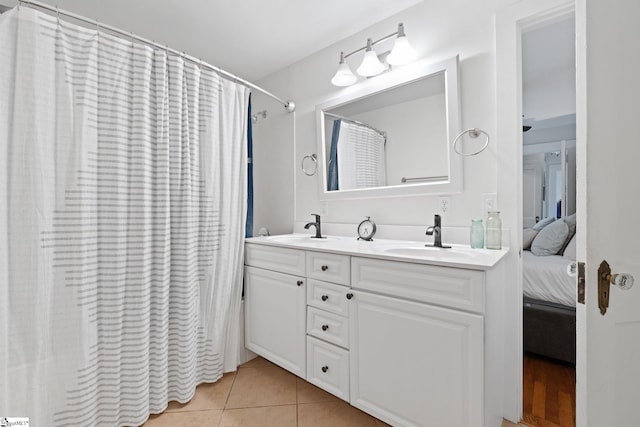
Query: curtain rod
[347, 119]
[290, 106]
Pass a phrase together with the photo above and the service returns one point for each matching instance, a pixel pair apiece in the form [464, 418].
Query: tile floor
[260, 394]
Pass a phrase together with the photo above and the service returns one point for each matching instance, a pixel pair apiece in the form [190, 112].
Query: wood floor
[549, 389]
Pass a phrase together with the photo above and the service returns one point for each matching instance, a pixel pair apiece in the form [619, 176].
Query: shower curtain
[123, 201]
[333, 183]
[361, 157]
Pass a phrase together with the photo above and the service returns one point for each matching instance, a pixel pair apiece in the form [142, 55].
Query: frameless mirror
[391, 135]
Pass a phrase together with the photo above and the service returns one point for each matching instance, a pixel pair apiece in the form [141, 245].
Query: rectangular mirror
[391, 135]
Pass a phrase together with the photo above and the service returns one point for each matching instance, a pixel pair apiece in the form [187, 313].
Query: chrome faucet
[316, 225]
[436, 231]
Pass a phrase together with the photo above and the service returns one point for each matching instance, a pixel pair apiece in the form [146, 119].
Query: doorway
[548, 218]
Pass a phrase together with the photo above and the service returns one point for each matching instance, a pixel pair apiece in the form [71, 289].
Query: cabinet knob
[325, 327]
[325, 297]
[325, 368]
[324, 267]
[349, 295]
[300, 282]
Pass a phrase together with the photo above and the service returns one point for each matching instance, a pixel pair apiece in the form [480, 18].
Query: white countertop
[459, 256]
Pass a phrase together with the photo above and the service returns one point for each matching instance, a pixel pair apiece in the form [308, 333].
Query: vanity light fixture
[402, 53]
[344, 76]
[371, 65]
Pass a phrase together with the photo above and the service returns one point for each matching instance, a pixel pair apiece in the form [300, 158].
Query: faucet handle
[317, 217]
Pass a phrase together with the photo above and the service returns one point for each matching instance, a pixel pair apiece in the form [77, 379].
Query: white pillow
[543, 223]
[550, 239]
[528, 234]
[570, 250]
[571, 222]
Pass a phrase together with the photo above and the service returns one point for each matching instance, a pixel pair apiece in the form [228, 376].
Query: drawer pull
[324, 267]
[325, 297]
[325, 327]
[325, 368]
[300, 282]
[349, 295]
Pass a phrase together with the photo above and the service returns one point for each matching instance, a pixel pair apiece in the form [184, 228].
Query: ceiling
[548, 82]
[250, 38]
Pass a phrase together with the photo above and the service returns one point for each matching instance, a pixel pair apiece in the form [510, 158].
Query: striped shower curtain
[361, 157]
[122, 209]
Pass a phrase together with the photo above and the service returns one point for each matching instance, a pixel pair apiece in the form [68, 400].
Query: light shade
[344, 76]
[371, 65]
[402, 52]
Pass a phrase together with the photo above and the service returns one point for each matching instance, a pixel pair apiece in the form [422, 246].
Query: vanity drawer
[328, 296]
[328, 326]
[328, 267]
[284, 260]
[449, 287]
[328, 367]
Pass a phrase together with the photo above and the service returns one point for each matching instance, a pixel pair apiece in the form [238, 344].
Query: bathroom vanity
[407, 333]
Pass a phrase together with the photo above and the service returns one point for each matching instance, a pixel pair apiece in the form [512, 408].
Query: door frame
[510, 24]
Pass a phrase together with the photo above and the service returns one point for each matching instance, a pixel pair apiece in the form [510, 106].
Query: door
[608, 362]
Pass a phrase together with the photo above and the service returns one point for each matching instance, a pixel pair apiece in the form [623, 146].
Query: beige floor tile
[185, 419]
[332, 414]
[280, 416]
[262, 386]
[208, 396]
[257, 363]
[308, 393]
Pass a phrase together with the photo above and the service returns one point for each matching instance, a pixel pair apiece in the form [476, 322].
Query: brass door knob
[605, 278]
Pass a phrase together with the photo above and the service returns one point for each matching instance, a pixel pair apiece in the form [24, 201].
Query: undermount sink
[431, 252]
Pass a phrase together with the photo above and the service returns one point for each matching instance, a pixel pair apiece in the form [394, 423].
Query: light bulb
[371, 65]
[344, 76]
[402, 52]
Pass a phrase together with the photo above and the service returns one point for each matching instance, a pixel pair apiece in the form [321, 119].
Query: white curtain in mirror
[361, 160]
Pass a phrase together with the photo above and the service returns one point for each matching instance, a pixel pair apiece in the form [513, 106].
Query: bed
[549, 312]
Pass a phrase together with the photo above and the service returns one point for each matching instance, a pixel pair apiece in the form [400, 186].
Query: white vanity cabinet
[404, 340]
[275, 305]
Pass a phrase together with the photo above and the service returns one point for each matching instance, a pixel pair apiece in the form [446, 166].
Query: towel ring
[473, 133]
[310, 164]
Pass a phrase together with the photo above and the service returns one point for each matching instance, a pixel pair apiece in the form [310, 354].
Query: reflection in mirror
[393, 135]
[384, 139]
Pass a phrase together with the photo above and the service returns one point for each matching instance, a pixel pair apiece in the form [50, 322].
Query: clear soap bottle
[493, 238]
[477, 234]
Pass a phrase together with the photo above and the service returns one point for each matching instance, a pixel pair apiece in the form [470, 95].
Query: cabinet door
[275, 317]
[413, 364]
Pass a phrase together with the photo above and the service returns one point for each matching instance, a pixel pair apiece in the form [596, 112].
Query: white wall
[438, 30]
[273, 166]
[548, 70]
